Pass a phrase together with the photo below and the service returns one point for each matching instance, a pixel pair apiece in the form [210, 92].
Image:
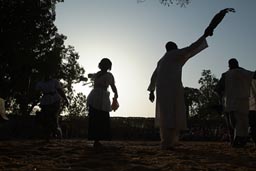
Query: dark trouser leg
[240, 123]
[252, 123]
[59, 130]
[50, 120]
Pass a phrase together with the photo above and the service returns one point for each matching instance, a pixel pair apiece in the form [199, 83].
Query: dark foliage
[181, 3]
[208, 99]
[31, 46]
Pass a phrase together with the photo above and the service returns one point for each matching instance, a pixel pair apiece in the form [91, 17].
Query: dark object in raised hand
[216, 20]
[151, 96]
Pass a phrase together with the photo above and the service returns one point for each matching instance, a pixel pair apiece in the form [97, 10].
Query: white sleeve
[194, 48]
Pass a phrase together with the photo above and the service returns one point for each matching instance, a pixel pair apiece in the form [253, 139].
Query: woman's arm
[114, 89]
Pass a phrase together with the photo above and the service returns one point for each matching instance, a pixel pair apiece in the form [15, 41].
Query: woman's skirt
[99, 125]
[98, 98]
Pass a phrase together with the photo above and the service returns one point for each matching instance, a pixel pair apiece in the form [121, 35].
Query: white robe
[238, 84]
[237, 92]
[170, 105]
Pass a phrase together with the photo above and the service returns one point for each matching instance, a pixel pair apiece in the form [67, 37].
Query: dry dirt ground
[79, 155]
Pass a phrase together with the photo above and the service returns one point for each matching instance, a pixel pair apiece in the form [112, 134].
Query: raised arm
[216, 20]
[190, 51]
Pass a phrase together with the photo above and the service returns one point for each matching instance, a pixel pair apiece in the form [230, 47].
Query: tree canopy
[209, 99]
[181, 3]
[31, 45]
[204, 102]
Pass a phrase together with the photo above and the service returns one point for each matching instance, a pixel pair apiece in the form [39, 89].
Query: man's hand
[216, 21]
[151, 96]
[208, 32]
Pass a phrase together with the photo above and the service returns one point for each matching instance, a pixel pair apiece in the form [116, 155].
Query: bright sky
[133, 36]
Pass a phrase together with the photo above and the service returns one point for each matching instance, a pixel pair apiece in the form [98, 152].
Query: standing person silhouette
[50, 104]
[166, 79]
[98, 102]
[234, 87]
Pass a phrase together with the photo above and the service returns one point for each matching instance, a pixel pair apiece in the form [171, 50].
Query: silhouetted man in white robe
[166, 79]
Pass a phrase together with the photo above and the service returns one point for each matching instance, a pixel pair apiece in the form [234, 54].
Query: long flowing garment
[99, 125]
[170, 105]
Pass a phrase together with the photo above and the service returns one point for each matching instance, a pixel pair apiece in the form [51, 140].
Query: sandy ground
[69, 155]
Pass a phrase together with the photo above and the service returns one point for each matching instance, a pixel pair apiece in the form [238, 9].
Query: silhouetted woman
[99, 103]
